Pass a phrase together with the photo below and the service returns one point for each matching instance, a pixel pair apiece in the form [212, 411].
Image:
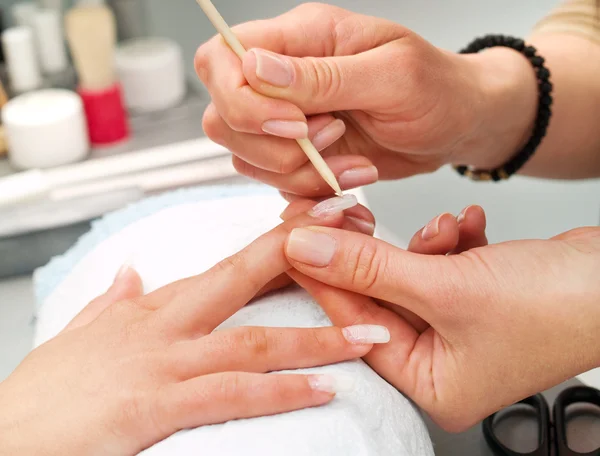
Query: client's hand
[471, 332]
[131, 370]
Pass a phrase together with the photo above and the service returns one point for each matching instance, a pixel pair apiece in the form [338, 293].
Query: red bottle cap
[106, 115]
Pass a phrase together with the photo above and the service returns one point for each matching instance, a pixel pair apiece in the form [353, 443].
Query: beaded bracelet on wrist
[544, 111]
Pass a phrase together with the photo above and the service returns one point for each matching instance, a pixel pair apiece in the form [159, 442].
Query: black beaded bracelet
[543, 114]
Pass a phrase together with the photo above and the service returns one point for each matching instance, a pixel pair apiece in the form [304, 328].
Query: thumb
[325, 84]
[127, 285]
[368, 266]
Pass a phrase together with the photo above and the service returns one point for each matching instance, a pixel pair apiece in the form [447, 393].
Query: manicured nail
[462, 216]
[367, 334]
[432, 229]
[310, 247]
[330, 134]
[272, 69]
[123, 271]
[363, 226]
[290, 129]
[333, 206]
[358, 177]
[331, 383]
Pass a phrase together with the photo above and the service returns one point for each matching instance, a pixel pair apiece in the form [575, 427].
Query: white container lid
[51, 45]
[21, 59]
[151, 72]
[46, 128]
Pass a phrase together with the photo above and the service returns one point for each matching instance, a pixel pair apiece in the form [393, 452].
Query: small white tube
[50, 41]
[21, 59]
[23, 13]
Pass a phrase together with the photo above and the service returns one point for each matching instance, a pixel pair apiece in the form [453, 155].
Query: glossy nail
[290, 129]
[357, 177]
[432, 229]
[367, 334]
[123, 271]
[333, 206]
[462, 216]
[328, 135]
[331, 383]
[363, 226]
[272, 69]
[310, 247]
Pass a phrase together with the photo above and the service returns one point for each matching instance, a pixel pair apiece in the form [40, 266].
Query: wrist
[506, 99]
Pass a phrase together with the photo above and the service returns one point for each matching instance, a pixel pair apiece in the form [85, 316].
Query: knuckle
[368, 264]
[323, 77]
[230, 387]
[288, 163]
[236, 119]
[212, 124]
[254, 341]
[202, 62]
[243, 167]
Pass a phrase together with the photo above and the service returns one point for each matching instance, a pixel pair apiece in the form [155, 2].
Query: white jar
[151, 73]
[45, 128]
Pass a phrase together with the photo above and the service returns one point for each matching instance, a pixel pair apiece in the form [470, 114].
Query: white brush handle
[309, 149]
[36, 183]
[154, 180]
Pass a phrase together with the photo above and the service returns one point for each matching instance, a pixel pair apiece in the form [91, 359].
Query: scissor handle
[570, 396]
[542, 410]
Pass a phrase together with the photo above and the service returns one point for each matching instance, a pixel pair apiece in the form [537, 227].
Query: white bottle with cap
[49, 35]
[21, 59]
[152, 74]
[50, 41]
[23, 13]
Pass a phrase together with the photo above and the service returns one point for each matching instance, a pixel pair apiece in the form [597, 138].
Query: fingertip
[127, 283]
[439, 237]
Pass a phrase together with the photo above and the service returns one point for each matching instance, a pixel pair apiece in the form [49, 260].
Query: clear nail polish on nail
[367, 334]
[333, 384]
[333, 206]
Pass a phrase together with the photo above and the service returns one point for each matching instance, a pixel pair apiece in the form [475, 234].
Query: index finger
[201, 303]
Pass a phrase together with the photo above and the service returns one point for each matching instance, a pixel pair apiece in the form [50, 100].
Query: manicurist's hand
[472, 331]
[131, 370]
[375, 98]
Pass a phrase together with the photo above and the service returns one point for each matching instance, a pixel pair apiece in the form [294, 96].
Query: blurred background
[58, 205]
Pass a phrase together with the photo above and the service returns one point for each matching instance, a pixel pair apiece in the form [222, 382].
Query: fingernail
[333, 206]
[290, 129]
[123, 271]
[358, 177]
[367, 334]
[331, 383]
[273, 70]
[362, 225]
[330, 134]
[310, 247]
[432, 229]
[462, 216]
